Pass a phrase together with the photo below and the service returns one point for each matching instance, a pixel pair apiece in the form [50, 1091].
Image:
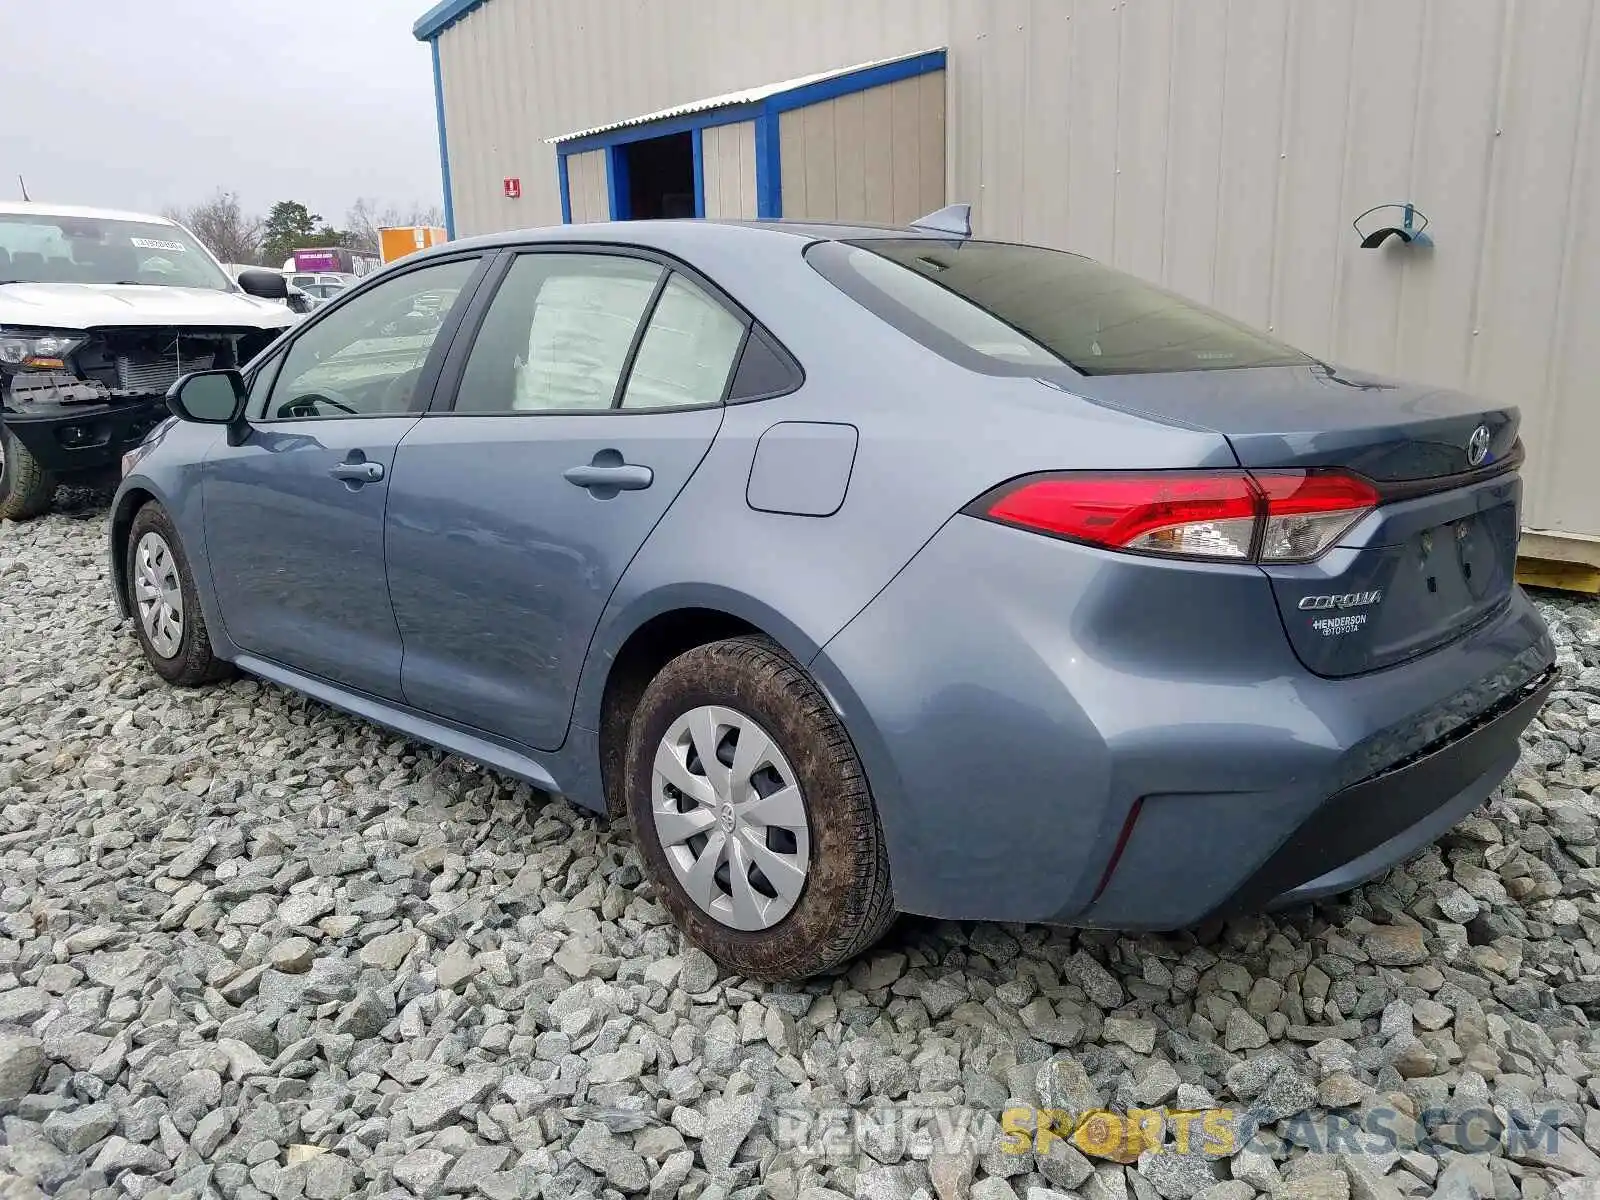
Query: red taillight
[1276, 516]
[1307, 513]
[1137, 512]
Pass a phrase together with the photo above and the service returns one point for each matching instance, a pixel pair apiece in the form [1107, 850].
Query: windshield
[59, 249]
[1010, 309]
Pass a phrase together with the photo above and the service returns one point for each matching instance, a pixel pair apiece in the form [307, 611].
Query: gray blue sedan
[863, 571]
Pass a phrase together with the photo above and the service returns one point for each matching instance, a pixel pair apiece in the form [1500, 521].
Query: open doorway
[659, 177]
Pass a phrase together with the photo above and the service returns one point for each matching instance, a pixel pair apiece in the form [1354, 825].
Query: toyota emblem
[1478, 446]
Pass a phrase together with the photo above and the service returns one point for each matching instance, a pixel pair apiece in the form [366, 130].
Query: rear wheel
[166, 608]
[26, 488]
[753, 814]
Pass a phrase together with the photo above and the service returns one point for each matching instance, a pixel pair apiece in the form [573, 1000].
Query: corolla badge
[1478, 446]
[1346, 600]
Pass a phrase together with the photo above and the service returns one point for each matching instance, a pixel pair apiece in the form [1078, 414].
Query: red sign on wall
[513, 187]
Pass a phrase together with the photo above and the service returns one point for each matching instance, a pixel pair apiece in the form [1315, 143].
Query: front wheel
[753, 815]
[166, 608]
[26, 488]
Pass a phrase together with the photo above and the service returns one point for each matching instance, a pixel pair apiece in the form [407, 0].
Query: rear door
[587, 398]
[294, 511]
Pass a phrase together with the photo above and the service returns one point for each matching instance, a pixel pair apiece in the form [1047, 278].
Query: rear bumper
[81, 438]
[1365, 829]
[1057, 734]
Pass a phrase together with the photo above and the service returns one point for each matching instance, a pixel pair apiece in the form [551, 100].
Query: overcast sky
[138, 104]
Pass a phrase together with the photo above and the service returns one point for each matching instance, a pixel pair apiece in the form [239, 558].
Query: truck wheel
[753, 815]
[26, 488]
[166, 608]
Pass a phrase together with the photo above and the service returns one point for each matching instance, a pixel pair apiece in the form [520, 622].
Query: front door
[294, 512]
[591, 395]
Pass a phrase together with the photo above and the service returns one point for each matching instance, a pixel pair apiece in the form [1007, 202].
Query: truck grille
[146, 376]
[140, 361]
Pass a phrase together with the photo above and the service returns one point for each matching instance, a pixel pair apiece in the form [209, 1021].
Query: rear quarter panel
[932, 436]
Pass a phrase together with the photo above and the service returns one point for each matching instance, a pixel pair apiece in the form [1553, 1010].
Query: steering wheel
[311, 401]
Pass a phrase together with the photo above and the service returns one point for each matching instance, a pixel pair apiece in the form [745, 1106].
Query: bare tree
[366, 217]
[227, 231]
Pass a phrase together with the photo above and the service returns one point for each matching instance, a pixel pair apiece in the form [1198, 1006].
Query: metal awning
[747, 96]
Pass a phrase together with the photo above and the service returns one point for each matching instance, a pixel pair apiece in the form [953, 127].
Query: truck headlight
[38, 349]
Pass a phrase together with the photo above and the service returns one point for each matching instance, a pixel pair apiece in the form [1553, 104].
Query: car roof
[678, 233]
[36, 209]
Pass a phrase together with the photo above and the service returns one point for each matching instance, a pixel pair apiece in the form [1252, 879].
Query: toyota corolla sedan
[864, 570]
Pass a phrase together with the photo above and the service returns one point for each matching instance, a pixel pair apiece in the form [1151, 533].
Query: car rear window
[1008, 309]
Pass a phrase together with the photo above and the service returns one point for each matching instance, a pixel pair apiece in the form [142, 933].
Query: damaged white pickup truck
[100, 313]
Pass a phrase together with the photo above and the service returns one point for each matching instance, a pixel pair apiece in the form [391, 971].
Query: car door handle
[358, 472]
[621, 477]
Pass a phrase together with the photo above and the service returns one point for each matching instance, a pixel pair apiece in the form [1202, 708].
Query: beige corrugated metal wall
[728, 158]
[587, 190]
[1218, 146]
[876, 155]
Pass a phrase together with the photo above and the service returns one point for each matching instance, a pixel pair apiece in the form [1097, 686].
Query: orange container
[408, 239]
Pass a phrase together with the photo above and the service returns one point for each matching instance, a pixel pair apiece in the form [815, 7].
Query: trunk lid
[1435, 559]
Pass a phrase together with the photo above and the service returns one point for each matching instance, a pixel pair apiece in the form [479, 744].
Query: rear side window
[1016, 310]
[764, 369]
[687, 351]
[557, 336]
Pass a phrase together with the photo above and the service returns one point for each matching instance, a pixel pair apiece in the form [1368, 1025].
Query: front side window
[261, 388]
[365, 358]
[40, 248]
[1011, 309]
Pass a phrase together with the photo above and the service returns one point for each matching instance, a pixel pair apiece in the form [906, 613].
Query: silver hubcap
[158, 594]
[730, 817]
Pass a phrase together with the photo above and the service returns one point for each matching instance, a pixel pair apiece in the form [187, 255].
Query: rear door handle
[607, 478]
[358, 472]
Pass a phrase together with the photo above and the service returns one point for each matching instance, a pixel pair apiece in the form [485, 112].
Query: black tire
[192, 663]
[26, 488]
[846, 903]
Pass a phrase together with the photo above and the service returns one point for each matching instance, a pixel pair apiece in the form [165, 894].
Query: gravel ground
[250, 947]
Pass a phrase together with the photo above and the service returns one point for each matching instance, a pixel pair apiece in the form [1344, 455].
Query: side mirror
[209, 397]
[264, 285]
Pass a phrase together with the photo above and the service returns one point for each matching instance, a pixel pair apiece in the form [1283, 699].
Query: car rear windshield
[1016, 310]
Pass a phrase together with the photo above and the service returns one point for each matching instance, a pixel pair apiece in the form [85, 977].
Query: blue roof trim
[687, 123]
[565, 184]
[770, 106]
[444, 144]
[441, 16]
[856, 81]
